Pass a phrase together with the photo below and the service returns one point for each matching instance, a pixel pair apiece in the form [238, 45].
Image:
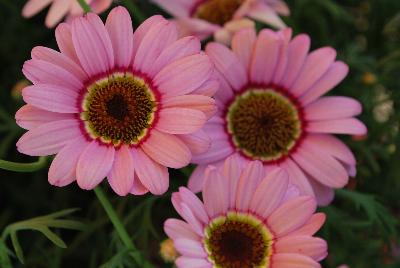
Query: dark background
[363, 223]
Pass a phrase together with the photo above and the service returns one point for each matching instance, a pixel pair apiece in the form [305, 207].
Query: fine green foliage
[362, 228]
[41, 224]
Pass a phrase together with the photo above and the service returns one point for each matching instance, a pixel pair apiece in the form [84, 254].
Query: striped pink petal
[242, 45]
[122, 174]
[64, 41]
[94, 164]
[57, 11]
[312, 226]
[332, 108]
[29, 117]
[215, 195]
[202, 103]
[297, 177]
[313, 247]
[291, 260]
[198, 142]
[351, 126]
[178, 120]
[179, 229]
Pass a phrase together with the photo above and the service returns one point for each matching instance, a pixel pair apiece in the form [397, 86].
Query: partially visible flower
[167, 251]
[222, 18]
[117, 104]
[16, 91]
[272, 109]
[248, 218]
[61, 8]
[369, 79]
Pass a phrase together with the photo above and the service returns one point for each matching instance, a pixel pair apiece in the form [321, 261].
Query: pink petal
[122, 174]
[324, 168]
[57, 11]
[232, 170]
[265, 57]
[315, 66]
[137, 187]
[208, 88]
[167, 149]
[184, 75]
[291, 215]
[64, 41]
[225, 91]
[243, 44]
[291, 260]
[49, 138]
[227, 64]
[152, 175]
[94, 164]
[33, 7]
[176, 8]
[43, 72]
[219, 149]
[194, 203]
[119, 28]
[198, 142]
[188, 216]
[336, 73]
[248, 183]
[269, 193]
[215, 195]
[142, 30]
[200, 28]
[262, 12]
[332, 108]
[199, 102]
[51, 98]
[63, 168]
[283, 57]
[312, 226]
[351, 126]
[313, 247]
[196, 180]
[181, 48]
[334, 146]
[190, 248]
[324, 194]
[176, 229]
[29, 117]
[185, 262]
[297, 53]
[154, 42]
[59, 59]
[180, 120]
[297, 177]
[99, 6]
[93, 45]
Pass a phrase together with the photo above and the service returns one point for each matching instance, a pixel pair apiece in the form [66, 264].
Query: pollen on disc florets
[118, 109]
[238, 240]
[217, 11]
[264, 124]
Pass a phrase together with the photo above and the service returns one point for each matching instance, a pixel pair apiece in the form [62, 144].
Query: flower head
[248, 218]
[223, 18]
[271, 110]
[62, 8]
[117, 104]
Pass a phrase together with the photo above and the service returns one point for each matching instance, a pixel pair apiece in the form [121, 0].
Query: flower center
[118, 109]
[217, 11]
[238, 240]
[264, 124]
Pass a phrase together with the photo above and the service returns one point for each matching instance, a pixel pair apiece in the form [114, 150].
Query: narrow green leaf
[52, 237]
[17, 247]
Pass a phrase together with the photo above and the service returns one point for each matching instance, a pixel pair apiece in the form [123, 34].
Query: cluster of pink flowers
[128, 105]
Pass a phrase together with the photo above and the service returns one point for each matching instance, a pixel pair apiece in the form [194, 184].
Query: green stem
[134, 10]
[24, 167]
[86, 8]
[119, 227]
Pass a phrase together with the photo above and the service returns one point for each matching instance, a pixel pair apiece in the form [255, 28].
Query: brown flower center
[238, 241]
[264, 124]
[217, 11]
[118, 109]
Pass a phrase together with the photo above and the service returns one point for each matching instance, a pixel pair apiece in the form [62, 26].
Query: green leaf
[5, 261]
[52, 237]
[17, 247]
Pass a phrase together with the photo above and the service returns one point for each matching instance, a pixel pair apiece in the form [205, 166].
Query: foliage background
[363, 222]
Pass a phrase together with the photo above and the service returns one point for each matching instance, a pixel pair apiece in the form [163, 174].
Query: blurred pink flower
[62, 8]
[117, 104]
[247, 219]
[222, 18]
[271, 109]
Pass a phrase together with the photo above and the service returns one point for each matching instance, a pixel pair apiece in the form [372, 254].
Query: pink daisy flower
[271, 109]
[62, 8]
[117, 104]
[222, 18]
[248, 218]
